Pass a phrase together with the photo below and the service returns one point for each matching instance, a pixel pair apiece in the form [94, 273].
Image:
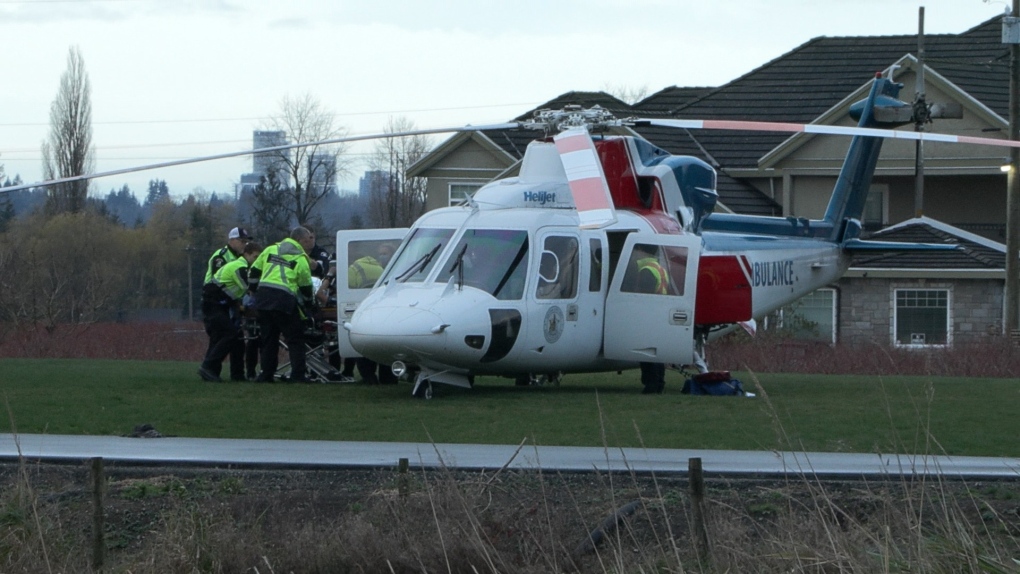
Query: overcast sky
[182, 78]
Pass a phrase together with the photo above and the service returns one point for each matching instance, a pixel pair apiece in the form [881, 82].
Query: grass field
[833, 413]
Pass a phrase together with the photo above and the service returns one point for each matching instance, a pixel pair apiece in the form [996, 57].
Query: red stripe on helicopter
[588, 194]
[746, 266]
[573, 140]
[987, 141]
[724, 290]
[754, 126]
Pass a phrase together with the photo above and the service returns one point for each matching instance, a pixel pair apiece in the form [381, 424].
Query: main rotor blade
[173, 163]
[820, 129]
[585, 177]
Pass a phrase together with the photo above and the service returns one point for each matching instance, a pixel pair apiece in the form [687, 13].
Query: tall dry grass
[159, 521]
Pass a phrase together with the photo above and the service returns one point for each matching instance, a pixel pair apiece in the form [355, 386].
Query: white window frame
[787, 312]
[450, 200]
[894, 327]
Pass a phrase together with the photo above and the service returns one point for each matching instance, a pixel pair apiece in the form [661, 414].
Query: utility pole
[1011, 35]
[191, 289]
[921, 116]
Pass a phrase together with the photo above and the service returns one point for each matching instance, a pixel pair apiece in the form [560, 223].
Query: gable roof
[974, 252]
[667, 100]
[453, 142]
[804, 83]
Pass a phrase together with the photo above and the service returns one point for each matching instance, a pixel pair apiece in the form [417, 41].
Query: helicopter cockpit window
[656, 270]
[558, 267]
[493, 260]
[418, 255]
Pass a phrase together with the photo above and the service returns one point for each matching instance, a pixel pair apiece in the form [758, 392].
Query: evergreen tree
[124, 205]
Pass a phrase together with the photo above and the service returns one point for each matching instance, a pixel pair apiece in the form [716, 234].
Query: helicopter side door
[650, 305]
[355, 275]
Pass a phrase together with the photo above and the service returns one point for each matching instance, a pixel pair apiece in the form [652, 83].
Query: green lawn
[800, 412]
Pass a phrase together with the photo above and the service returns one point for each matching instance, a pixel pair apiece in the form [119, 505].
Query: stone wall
[866, 307]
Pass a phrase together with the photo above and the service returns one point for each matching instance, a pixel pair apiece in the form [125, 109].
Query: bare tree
[68, 151]
[628, 94]
[398, 200]
[313, 170]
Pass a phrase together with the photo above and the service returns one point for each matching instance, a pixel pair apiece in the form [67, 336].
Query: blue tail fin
[842, 217]
[846, 206]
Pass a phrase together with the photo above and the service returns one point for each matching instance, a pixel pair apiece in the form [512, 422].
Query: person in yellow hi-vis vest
[282, 281]
[237, 238]
[652, 278]
[361, 274]
[221, 314]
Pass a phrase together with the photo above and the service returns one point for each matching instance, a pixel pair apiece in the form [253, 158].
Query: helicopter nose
[387, 333]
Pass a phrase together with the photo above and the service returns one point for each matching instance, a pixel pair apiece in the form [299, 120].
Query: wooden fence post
[97, 480]
[700, 528]
[403, 484]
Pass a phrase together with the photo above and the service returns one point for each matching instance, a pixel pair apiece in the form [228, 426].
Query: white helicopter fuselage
[451, 326]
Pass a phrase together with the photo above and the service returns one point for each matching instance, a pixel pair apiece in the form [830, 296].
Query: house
[917, 300]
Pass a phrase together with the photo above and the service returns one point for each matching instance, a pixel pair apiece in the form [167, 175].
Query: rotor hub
[593, 119]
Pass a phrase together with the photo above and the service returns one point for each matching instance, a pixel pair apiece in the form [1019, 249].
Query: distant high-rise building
[248, 183]
[262, 163]
[373, 181]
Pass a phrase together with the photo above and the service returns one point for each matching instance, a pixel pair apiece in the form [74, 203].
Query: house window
[875, 214]
[810, 318]
[921, 317]
[459, 192]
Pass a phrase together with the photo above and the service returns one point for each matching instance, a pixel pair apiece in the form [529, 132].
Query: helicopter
[534, 276]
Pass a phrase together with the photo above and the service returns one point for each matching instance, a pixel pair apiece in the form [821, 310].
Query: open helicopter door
[355, 275]
[650, 305]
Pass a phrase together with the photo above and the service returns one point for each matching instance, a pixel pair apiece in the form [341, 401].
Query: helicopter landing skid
[537, 379]
[422, 388]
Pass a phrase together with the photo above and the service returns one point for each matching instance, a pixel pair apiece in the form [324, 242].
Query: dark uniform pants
[224, 339]
[272, 324]
[653, 377]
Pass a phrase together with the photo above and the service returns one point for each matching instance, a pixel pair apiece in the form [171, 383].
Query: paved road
[293, 453]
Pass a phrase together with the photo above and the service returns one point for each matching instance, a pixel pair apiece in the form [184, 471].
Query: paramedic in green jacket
[237, 238]
[282, 281]
[221, 314]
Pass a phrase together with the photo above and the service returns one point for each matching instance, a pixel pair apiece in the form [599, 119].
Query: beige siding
[469, 162]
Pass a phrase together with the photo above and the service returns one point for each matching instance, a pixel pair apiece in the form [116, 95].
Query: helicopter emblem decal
[553, 324]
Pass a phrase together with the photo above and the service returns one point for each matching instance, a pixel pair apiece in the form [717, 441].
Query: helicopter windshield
[493, 260]
[418, 256]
